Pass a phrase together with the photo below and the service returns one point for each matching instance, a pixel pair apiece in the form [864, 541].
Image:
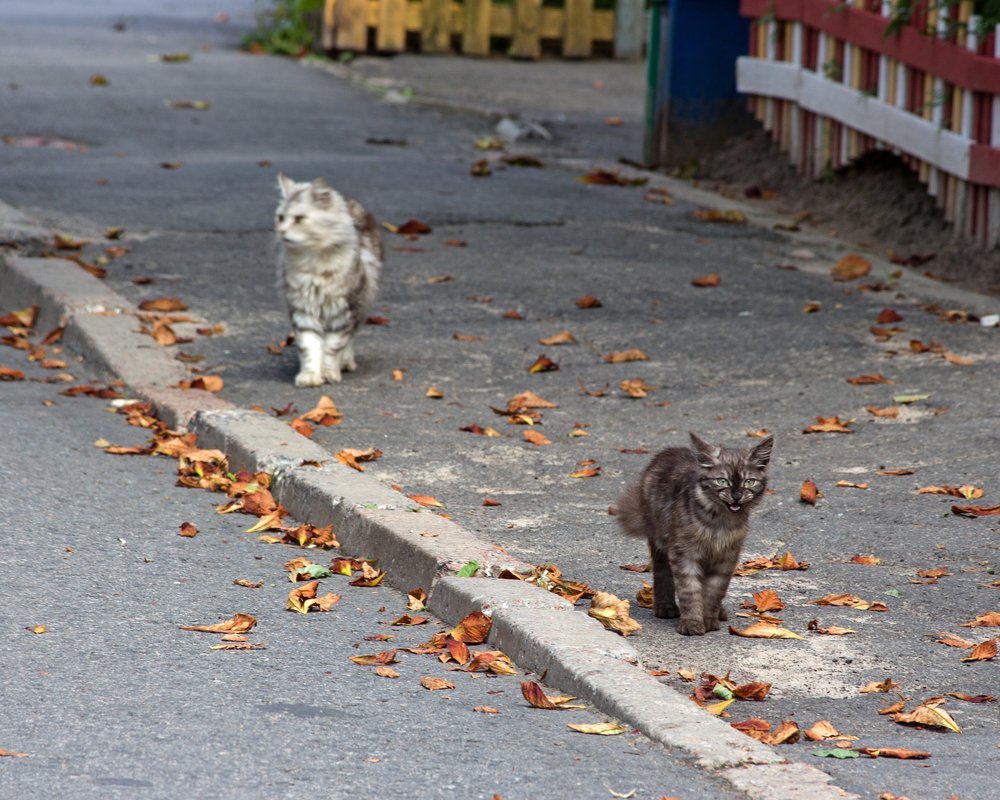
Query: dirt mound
[875, 203]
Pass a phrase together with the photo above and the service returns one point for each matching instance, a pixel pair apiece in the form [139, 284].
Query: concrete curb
[539, 631]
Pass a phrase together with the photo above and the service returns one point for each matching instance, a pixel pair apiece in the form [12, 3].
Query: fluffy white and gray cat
[329, 266]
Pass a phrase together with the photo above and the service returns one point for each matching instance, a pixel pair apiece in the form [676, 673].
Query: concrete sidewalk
[722, 361]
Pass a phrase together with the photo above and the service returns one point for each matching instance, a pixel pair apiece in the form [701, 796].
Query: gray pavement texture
[723, 361]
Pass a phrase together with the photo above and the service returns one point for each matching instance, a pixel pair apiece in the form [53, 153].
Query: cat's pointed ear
[761, 454]
[708, 454]
[286, 184]
[321, 193]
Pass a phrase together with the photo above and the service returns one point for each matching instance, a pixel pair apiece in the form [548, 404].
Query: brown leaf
[587, 301]
[954, 358]
[967, 492]
[865, 380]
[489, 502]
[991, 619]
[416, 599]
[594, 392]
[636, 567]
[764, 630]
[984, 651]
[376, 320]
[894, 472]
[644, 597]
[535, 437]
[239, 645]
[248, 584]
[767, 600]
[833, 630]
[755, 728]
[188, 530]
[563, 337]
[891, 752]
[786, 733]
[543, 364]
[413, 227]
[886, 685]
[975, 511]
[635, 388]
[376, 659]
[4, 753]
[851, 267]
[433, 684]
[707, 281]
[352, 457]
[163, 304]
[928, 714]
[850, 485]
[893, 708]
[426, 500]
[456, 651]
[808, 492]
[822, 731]
[206, 383]
[784, 563]
[829, 425]
[10, 374]
[408, 621]
[386, 672]
[473, 629]
[849, 600]
[755, 690]
[613, 613]
[513, 314]
[973, 698]
[887, 411]
[325, 413]
[951, 640]
[527, 400]
[624, 356]
[731, 216]
[586, 473]
[598, 728]
[238, 623]
[369, 577]
[887, 316]
[486, 710]
[603, 177]
[536, 697]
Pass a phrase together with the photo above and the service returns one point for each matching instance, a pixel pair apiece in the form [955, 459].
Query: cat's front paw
[308, 379]
[723, 614]
[665, 610]
[712, 624]
[331, 374]
[691, 627]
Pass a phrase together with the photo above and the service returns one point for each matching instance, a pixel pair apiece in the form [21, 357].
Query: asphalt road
[735, 358]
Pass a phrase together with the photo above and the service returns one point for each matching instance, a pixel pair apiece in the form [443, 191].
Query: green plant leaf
[314, 571]
[904, 399]
[469, 568]
[837, 752]
[893, 592]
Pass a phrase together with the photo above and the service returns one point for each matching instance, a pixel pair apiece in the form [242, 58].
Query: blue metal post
[692, 105]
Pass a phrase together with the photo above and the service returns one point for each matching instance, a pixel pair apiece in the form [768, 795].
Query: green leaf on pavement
[893, 593]
[904, 399]
[469, 568]
[314, 571]
[837, 752]
[722, 692]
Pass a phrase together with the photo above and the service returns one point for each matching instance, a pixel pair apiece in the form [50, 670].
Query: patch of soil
[875, 203]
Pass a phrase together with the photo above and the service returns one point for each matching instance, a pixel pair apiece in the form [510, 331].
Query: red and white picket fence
[830, 83]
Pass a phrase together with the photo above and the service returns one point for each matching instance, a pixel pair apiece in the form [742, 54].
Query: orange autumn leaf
[951, 640]
[973, 698]
[352, 457]
[188, 530]
[376, 659]
[473, 629]
[537, 698]
[426, 500]
[822, 731]
[892, 752]
[10, 374]
[163, 304]
[486, 709]
[533, 436]
[592, 472]
[635, 388]
[851, 267]
[433, 684]
[587, 301]
[416, 599]
[869, 560]
[976, 511]
[849, 485]
[386, 672]
[527, 400]
[833, 630]
[786, 733]
[763, 630]
[967, 492]
[303, 599]
[707, 281]
[755, 728]
[849, 600]
[456, 651]
[865, 380]
[248, 583]
[4, 753]
[887, 411]
[543, 364]
[894, 472]
[767, 600]
[755, 690]
[928, 714]
[325, 413]
[829, 425]
[808, 492]
[625, 356]
[206, 383]
[990, 619]
[984, 651]
[883, 686]
[563, 337]
[238, 623]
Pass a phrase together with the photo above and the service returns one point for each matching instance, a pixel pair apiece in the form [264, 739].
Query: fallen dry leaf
[563, 337]
[891, 752]
[303, 599]
[894, 472]
[930, 714]
[535, 437]
[613, 613]
[883, 686]
[984, 651]
[624, 356]
[851, 267]
[784, 563]
[489, 502]
[433, 684]
[426, 500]
[248, 583]
[537, 698]
[808, 492]
[864, 380]
[598, 728]
[887, 411]
[587, 301]
[473, 629]
[238, 623]
[486, 709]
[352, 457]
[528, 400]
[416, 599]
[603, 177]
[764, 630]
[991, 619]
[967, 492]
[767, 600]
[644, 597]
[4, 753]
[834, 630]
[376, 659]
[635, 388]
[975, 511]
[829, 425]
[386, 672]
[850, 485]
[786, 733]
[239, 646]
[822, 731]
[850, 601]
[755, 727]
[973, 698]
[951, 640]
[543, 364]
[188, 530]
[163, 304]
[731, 216]
[706, 281]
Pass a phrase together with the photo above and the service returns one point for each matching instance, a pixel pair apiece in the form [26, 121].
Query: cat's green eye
[723, 482]
[749, 483]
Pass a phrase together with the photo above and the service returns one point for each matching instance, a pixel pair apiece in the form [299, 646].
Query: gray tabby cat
[329, 266]
[693, 507]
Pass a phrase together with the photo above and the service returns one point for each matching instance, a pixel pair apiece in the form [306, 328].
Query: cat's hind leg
[310, 346]
[664, 605]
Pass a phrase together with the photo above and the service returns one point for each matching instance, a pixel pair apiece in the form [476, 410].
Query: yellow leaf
[718, 708]
[613, 613]
[598, 728]
[763, 630]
